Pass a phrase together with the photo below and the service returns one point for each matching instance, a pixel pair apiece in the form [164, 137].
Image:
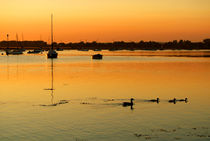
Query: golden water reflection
[95, 90]
[106, 80]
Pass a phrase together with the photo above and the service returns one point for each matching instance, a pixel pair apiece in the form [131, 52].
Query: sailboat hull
[52, 54]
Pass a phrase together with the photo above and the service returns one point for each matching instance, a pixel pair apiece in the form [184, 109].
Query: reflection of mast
[17, 71]
[7, 69]
[52, 88]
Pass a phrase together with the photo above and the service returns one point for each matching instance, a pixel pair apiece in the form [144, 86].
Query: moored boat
[35, 51]
[52, 53]
[97, 56]
[14, 52]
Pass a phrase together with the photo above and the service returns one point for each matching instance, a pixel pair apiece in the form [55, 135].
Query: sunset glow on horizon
[106, 20]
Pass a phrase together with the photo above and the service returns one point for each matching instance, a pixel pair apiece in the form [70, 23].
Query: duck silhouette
[173, 101]
[154, 100]
[185, 100]
[128, 103]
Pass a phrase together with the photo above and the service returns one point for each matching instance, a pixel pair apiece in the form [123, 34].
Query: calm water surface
[95, 91]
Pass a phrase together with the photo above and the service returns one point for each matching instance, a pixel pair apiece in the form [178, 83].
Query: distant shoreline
[136, 53]
[112, 46]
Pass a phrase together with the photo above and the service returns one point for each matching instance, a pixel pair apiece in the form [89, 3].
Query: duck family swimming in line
[125, 104]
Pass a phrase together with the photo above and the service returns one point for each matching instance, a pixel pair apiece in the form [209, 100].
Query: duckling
[155, 100]
[172, 101]
[185, 100]
[128, 103]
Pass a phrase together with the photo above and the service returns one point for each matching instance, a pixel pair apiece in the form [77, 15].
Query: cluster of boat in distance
[51, 53]
[20, 51]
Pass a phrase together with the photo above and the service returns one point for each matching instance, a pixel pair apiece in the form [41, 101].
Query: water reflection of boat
[52, 53]
[52, 91]
[52, 88]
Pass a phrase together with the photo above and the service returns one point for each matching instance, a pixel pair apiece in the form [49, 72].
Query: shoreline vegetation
[112, 46]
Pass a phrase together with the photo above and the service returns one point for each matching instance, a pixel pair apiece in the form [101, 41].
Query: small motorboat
[97, 56]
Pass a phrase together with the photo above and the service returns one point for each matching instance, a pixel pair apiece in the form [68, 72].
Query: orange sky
[106, 20]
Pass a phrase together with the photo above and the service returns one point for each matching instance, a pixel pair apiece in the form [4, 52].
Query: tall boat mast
[22, 37]
[17, 40]
[7, 37]
[7, 41]
[52, 31]
[52, 53]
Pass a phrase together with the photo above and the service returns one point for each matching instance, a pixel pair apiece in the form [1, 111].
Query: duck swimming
[185, 100]
[155, 100]
[172, 101]
[128, 103]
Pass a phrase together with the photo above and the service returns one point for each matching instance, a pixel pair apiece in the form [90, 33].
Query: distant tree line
[25, 44]
[117, 45]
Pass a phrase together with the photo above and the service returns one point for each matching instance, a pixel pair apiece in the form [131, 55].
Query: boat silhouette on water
[52, 53]
[35, 51]
[97, 56]
[16, 51]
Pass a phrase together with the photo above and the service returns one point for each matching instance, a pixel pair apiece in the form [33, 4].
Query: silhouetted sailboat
[15, 51]
[52, 53]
